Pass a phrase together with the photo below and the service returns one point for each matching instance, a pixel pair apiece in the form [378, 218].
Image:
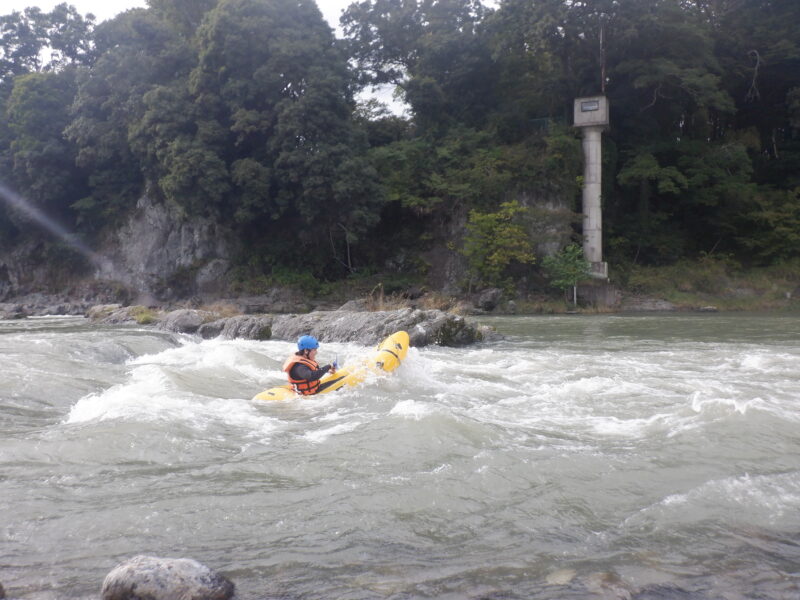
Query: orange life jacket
[301, 386]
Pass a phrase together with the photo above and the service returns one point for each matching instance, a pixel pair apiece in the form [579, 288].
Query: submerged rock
[153, 578]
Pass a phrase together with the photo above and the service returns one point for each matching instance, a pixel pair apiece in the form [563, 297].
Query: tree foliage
[567, 268]
[244, 111]
[495, 241]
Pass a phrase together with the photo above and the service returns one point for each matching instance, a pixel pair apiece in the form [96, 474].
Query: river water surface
[582, 457]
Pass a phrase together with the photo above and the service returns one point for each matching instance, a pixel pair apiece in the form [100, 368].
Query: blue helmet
[307, 342]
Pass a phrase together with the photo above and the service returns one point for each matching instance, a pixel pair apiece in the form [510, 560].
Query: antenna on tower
[602, 55]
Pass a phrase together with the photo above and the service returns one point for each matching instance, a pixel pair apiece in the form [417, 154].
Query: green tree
[34, 158]
[275, 80]
[184, 15]
[33, 41]
[494, 242]
[43, 162]
[136, 53]
[21, 43]
[567, 269]
[68, 37]
[431, 50]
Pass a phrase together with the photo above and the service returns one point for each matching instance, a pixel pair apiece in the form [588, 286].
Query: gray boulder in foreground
[153, 578]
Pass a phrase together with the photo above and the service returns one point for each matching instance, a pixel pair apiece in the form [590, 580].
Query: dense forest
[248, 112]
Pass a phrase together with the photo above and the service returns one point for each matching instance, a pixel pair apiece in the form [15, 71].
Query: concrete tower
[591, 115]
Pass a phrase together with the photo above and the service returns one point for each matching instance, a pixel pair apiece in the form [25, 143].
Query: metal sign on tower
[591, 115]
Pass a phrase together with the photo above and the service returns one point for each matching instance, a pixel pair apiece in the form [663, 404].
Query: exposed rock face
[488, 299]
[152, 578]
[160, 252]
[551, 225]
[23, 269]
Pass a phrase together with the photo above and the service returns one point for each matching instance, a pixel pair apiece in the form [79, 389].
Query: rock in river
[153, 578]
[424, 327]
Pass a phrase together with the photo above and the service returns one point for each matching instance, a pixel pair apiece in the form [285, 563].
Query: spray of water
[37, 216]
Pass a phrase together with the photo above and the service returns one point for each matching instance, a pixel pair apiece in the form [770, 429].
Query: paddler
[302, 368]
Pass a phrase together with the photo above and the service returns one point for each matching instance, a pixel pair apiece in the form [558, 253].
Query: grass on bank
[717, 281]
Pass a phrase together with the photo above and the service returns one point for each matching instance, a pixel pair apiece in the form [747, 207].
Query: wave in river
[578, 457]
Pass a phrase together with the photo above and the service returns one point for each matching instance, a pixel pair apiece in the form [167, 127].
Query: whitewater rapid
[581, 456]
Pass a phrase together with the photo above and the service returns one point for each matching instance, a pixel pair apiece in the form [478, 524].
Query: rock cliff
[161, 253]
[157, 254]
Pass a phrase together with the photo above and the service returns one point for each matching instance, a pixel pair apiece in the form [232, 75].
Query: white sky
[105, 9]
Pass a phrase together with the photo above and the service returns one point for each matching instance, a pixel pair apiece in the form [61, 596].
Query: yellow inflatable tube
[387, 357]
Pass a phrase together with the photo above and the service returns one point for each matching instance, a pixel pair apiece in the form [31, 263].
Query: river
[650, 456]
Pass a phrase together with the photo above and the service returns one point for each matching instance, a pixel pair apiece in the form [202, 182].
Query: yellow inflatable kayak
[387, 357]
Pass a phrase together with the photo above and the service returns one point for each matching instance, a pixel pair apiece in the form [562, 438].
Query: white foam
[632, 428]
[586, 393]
[243, 356]
[124, 400]
[412, 409]
[151, 395]
[721, 406]
[319, 436]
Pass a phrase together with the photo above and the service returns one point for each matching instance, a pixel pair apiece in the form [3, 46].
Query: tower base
[599, 270]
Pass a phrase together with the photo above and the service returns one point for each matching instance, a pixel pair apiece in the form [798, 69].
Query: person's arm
[301, 371]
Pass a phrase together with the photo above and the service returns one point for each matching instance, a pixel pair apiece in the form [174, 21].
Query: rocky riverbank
[425, 327]
[243, 319]
[283, 310]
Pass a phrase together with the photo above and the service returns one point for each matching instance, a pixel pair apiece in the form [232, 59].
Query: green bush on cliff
[494, 241]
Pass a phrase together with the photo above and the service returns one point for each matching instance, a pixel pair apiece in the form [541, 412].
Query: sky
[105, 9]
